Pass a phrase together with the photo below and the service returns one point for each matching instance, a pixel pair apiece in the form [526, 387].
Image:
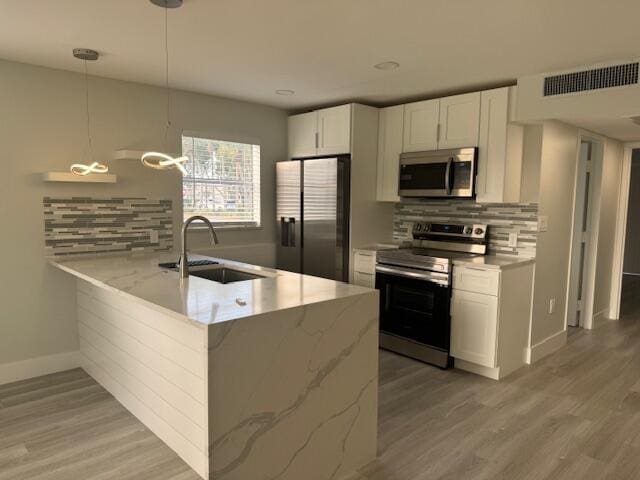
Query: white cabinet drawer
[476, 280]
[364, 263]
[364, 279]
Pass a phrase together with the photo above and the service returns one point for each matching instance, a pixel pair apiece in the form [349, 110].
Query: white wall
[43, 128]
[557, 184]
[556, 201]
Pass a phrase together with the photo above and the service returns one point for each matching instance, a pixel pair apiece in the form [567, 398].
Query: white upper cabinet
[322, 132]
[421, 126]
[334, 130]
[303, 130]
[390, 137]
[459, 121]
[500, 149]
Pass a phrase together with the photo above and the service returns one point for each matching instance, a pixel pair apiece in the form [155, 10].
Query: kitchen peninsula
[268, 378]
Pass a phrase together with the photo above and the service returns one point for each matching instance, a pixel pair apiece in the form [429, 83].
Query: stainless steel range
[415, 289]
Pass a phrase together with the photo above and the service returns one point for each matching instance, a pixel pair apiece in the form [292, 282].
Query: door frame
[595, 192]
[621, 231]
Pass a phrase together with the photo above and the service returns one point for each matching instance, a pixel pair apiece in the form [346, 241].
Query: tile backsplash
[84, 225]
[502, 219]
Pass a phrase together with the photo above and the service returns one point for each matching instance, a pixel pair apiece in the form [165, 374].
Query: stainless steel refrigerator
[313, 217]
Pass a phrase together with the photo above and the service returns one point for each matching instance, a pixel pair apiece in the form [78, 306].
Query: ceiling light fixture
[158, 160]
[82, 169]
[87, 55]
[387, 65]
[162, 161]
[285, 92]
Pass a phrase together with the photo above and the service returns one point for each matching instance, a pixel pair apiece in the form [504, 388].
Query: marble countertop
[494, 262]
[138, 277]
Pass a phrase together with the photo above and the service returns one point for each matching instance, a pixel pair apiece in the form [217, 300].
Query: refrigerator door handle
[291, 232]
[288, 231]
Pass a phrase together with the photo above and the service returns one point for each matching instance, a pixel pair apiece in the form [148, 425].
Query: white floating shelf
[128, 154]
[71, 177]
[134, 154]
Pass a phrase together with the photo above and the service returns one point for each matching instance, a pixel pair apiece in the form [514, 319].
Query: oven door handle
[434, 277]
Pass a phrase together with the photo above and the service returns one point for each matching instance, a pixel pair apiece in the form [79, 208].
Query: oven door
[414, 305]
[443, 173]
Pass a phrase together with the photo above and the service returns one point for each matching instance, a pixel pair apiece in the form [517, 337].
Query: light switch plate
[543, 223]
[153, 236]
[513, 239]
[552, 306]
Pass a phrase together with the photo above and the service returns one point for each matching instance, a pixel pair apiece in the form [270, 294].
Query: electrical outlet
[153, 236]
[552, 306]
[543, 223]
[513, 239]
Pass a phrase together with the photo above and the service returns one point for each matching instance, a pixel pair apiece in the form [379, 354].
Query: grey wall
[632, 245]
[42, 128]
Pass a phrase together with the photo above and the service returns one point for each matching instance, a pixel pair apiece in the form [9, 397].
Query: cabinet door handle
[438, 133]
[317, 140]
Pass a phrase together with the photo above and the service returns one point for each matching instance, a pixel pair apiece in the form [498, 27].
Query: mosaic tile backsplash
[502, 219]
[82, 225]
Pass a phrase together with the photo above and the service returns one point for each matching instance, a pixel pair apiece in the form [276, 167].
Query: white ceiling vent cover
[594, 79]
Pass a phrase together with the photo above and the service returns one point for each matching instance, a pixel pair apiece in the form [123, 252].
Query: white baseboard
[36, 367]
[546, 346]
[492, 373]
[599, 318]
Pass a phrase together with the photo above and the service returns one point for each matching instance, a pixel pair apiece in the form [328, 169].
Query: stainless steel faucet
[184, 261]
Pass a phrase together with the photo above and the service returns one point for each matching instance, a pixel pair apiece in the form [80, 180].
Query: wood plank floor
[574, 415]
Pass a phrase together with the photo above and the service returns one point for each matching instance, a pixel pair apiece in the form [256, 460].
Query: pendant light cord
[166, 72]
[86, 91]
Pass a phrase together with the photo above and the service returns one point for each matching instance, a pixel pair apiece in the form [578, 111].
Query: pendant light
[158, 160]
[87, 55]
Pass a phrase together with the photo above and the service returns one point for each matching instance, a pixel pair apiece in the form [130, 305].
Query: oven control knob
[467, 230]
[427, 227]
[479, 231]
[418, 227]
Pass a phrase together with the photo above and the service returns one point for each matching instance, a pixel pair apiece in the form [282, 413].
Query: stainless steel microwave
[440, 173]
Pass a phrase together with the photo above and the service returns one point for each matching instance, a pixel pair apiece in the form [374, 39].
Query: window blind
[222, 181]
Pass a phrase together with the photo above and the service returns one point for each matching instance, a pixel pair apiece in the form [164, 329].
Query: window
[222, 181]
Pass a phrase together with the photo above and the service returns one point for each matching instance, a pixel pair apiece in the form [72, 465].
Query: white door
[389, 149]
[334, 130]
[474, 320]
[459, 121]
[303, 131]
[421, 126]
[581, 236]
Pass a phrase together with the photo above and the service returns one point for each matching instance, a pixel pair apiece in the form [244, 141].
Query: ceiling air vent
[594, 79]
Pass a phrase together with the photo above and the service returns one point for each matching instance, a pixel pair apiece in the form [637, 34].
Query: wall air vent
[594, 79]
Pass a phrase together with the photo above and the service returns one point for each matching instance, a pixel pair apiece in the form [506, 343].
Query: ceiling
[324, 50]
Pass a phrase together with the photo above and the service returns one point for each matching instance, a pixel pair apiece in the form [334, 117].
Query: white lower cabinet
[364, 268]
[364, 279]
[474, 320]
[490, 318]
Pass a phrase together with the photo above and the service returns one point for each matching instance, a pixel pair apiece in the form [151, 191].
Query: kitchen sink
[212, 270]
[224, 275]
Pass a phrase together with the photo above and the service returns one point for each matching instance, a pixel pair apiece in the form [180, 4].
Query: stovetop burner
[437, 245]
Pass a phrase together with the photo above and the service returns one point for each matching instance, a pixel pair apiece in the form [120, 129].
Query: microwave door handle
[447, 175]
